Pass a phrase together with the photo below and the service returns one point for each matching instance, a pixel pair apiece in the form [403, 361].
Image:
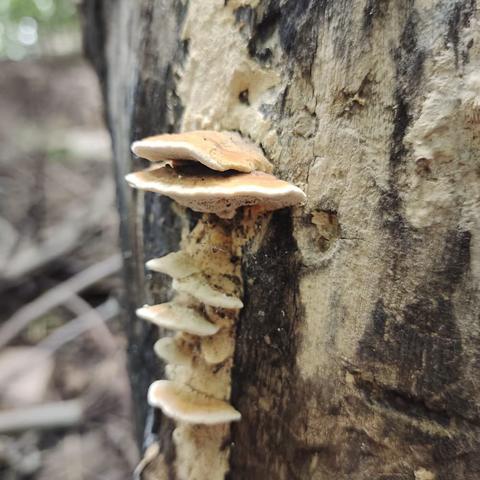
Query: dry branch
[76, 327]
[57, 296]
[51, 415]
[82, 308]
[60, 239]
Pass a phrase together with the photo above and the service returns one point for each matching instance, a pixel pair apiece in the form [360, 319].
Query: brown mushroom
[217, 193]
[218, 151]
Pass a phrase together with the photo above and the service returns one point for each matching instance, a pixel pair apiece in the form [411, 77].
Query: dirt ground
[65, 409]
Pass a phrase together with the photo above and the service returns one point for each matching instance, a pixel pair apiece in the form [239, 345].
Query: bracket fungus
[171, 352]
[221, 194]
[180, 402]
[217, 348]
[214, 173]
[198, 288]
[219, 151]
[175, 264]
[189, 279]
[177, 317]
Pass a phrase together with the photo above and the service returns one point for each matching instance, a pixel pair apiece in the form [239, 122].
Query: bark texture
[358, 350]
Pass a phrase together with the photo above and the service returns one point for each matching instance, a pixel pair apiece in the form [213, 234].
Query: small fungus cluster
[235, 173]
[214, 173]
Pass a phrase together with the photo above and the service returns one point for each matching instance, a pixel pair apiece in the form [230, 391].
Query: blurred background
[64, 392]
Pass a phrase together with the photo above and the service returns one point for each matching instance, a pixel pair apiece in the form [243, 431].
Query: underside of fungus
[221, 194]
[175, 264]
[182, 403]
[215, 173]
[177, 317]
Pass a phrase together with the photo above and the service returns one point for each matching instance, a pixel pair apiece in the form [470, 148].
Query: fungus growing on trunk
[218, 151]
[214, 173]
[221, 194]
[175, 264]
[185, 404]
[218, 348]
[169, 350]
[198, 287]
[177, 317]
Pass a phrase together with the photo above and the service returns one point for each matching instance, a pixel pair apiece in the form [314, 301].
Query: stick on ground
[57, 296]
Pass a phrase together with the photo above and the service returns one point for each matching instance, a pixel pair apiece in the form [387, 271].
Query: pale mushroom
[176, 265]
[217, 193]
[169, 351]
[180, 402]
[218, 151]
[177, 317]
[196, 286]
[218, 348]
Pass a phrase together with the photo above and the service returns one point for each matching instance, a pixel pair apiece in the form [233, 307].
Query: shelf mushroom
[171, 352]
[180, 402]
[218, 173]
[196, 286]
[177, 317]
[218, 193]
[175, 264]
[219, 151]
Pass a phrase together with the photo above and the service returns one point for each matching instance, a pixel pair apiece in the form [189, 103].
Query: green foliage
[27, 26]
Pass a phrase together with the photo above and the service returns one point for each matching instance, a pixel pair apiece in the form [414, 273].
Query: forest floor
[65, 408]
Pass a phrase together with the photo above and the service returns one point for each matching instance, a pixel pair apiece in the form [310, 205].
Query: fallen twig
[56, 296]
[76, 327]
[60, 239]
[103, 337]
[50, 415]
[62, 335]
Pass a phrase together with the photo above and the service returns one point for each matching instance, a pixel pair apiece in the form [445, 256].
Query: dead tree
[358, 350]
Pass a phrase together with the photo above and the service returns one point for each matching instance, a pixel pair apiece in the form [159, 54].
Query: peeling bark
[357, 351]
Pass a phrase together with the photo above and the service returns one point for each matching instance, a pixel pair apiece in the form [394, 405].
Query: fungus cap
[197, 287]
[180, 402]
[217, 348]
[170, 352]
[218, 151]
[177, 317]
[175, 264]
[221, 194]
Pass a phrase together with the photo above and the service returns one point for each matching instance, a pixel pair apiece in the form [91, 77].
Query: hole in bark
[423, 167]
[328, 228]
[243, 97]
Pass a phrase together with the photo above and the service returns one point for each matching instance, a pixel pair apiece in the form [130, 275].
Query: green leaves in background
[35, 27]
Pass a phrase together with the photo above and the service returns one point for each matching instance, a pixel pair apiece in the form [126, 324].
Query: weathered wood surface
[358, 348]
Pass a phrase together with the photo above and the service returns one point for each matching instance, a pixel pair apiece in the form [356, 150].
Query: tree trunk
[357, 353]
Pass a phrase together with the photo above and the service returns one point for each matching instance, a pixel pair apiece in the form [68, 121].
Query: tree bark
[357, 352]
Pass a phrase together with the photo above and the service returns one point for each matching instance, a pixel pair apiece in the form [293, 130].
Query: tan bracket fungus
[204, 293]
[175, 264]
[219, 194]
[185, 404]
[171, 351]
[219, 151]
[206, 277]
[177, 317]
